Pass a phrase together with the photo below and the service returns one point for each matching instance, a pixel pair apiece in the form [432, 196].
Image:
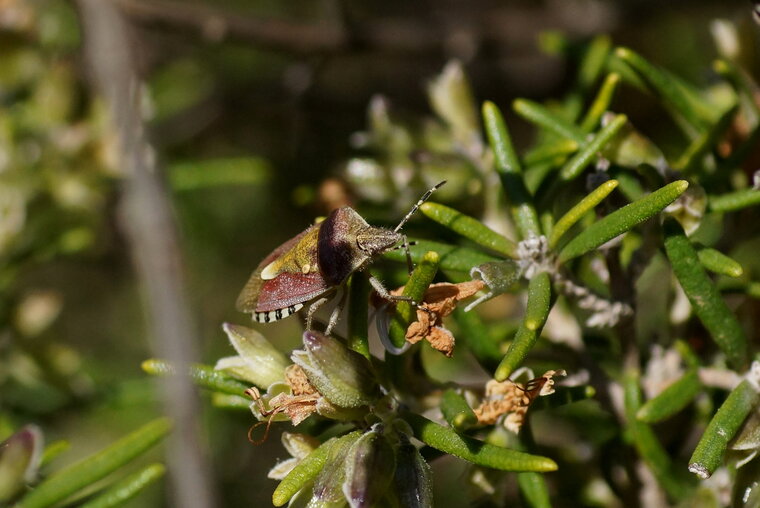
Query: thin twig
[148, 223]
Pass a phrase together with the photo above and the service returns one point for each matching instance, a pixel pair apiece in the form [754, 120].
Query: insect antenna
[417, 205]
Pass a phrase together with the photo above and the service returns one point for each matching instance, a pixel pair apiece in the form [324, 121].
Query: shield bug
[309, 268]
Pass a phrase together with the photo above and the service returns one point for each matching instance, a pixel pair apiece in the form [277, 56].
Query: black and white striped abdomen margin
[276, 315]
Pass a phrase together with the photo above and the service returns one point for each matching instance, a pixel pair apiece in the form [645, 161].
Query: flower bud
[340, 375]
[327, 486]
[412, 482]
[386, 133]
[19, 460]
[298, 446]
[369, 178]
[370, 464]
[689, 208]
[259, 363]
[452, 100]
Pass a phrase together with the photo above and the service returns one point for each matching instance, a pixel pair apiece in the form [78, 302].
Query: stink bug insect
[308, 268]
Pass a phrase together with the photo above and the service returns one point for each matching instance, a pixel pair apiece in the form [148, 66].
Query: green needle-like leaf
[202, 375]
[671, 400]
[484, 454]
[665, 87]
[734, 201]
[86, 472]
[457, 411]
[508, 166]
[469, 228]
[630, 186]
[620, 221]
[539, 301]
[501, 142]
[535, 175]
[53, 450]
[690, 358]
[227, 401]
[601, 103]
[539, 304]
[708, 455]
[415, 288]
[550, 152]
[534, 489]
[124, 490]
[518, 350]
[647, 445]
[475, 335]
[584, 206]
[459, 259]
[717, 262]
[590, 150]
[740, 81]
[358, 325]
[307, 469]
[594, 61]
[705, 299]
[541, 116]
[704, 142]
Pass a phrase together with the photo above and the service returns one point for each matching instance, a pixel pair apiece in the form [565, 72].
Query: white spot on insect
[306, 268]
[270, 271]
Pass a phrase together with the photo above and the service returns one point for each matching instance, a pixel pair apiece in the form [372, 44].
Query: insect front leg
[313, 309]
[385, 295]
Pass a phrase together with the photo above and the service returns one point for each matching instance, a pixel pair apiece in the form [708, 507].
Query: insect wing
[290, 288]
[249, 296]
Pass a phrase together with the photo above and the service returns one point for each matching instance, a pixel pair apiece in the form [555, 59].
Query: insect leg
[385, 295]
[336, 312]
[313, 309]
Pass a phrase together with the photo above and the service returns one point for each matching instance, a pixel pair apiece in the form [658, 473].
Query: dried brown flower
[439, 301]
[297, 405]
[513, 399]
[297, 380]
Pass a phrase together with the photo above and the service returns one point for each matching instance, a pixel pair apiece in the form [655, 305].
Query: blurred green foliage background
[265, 96]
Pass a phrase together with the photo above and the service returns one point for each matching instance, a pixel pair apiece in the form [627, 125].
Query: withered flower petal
[298, 446]
[513, 399]
[439, 301]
